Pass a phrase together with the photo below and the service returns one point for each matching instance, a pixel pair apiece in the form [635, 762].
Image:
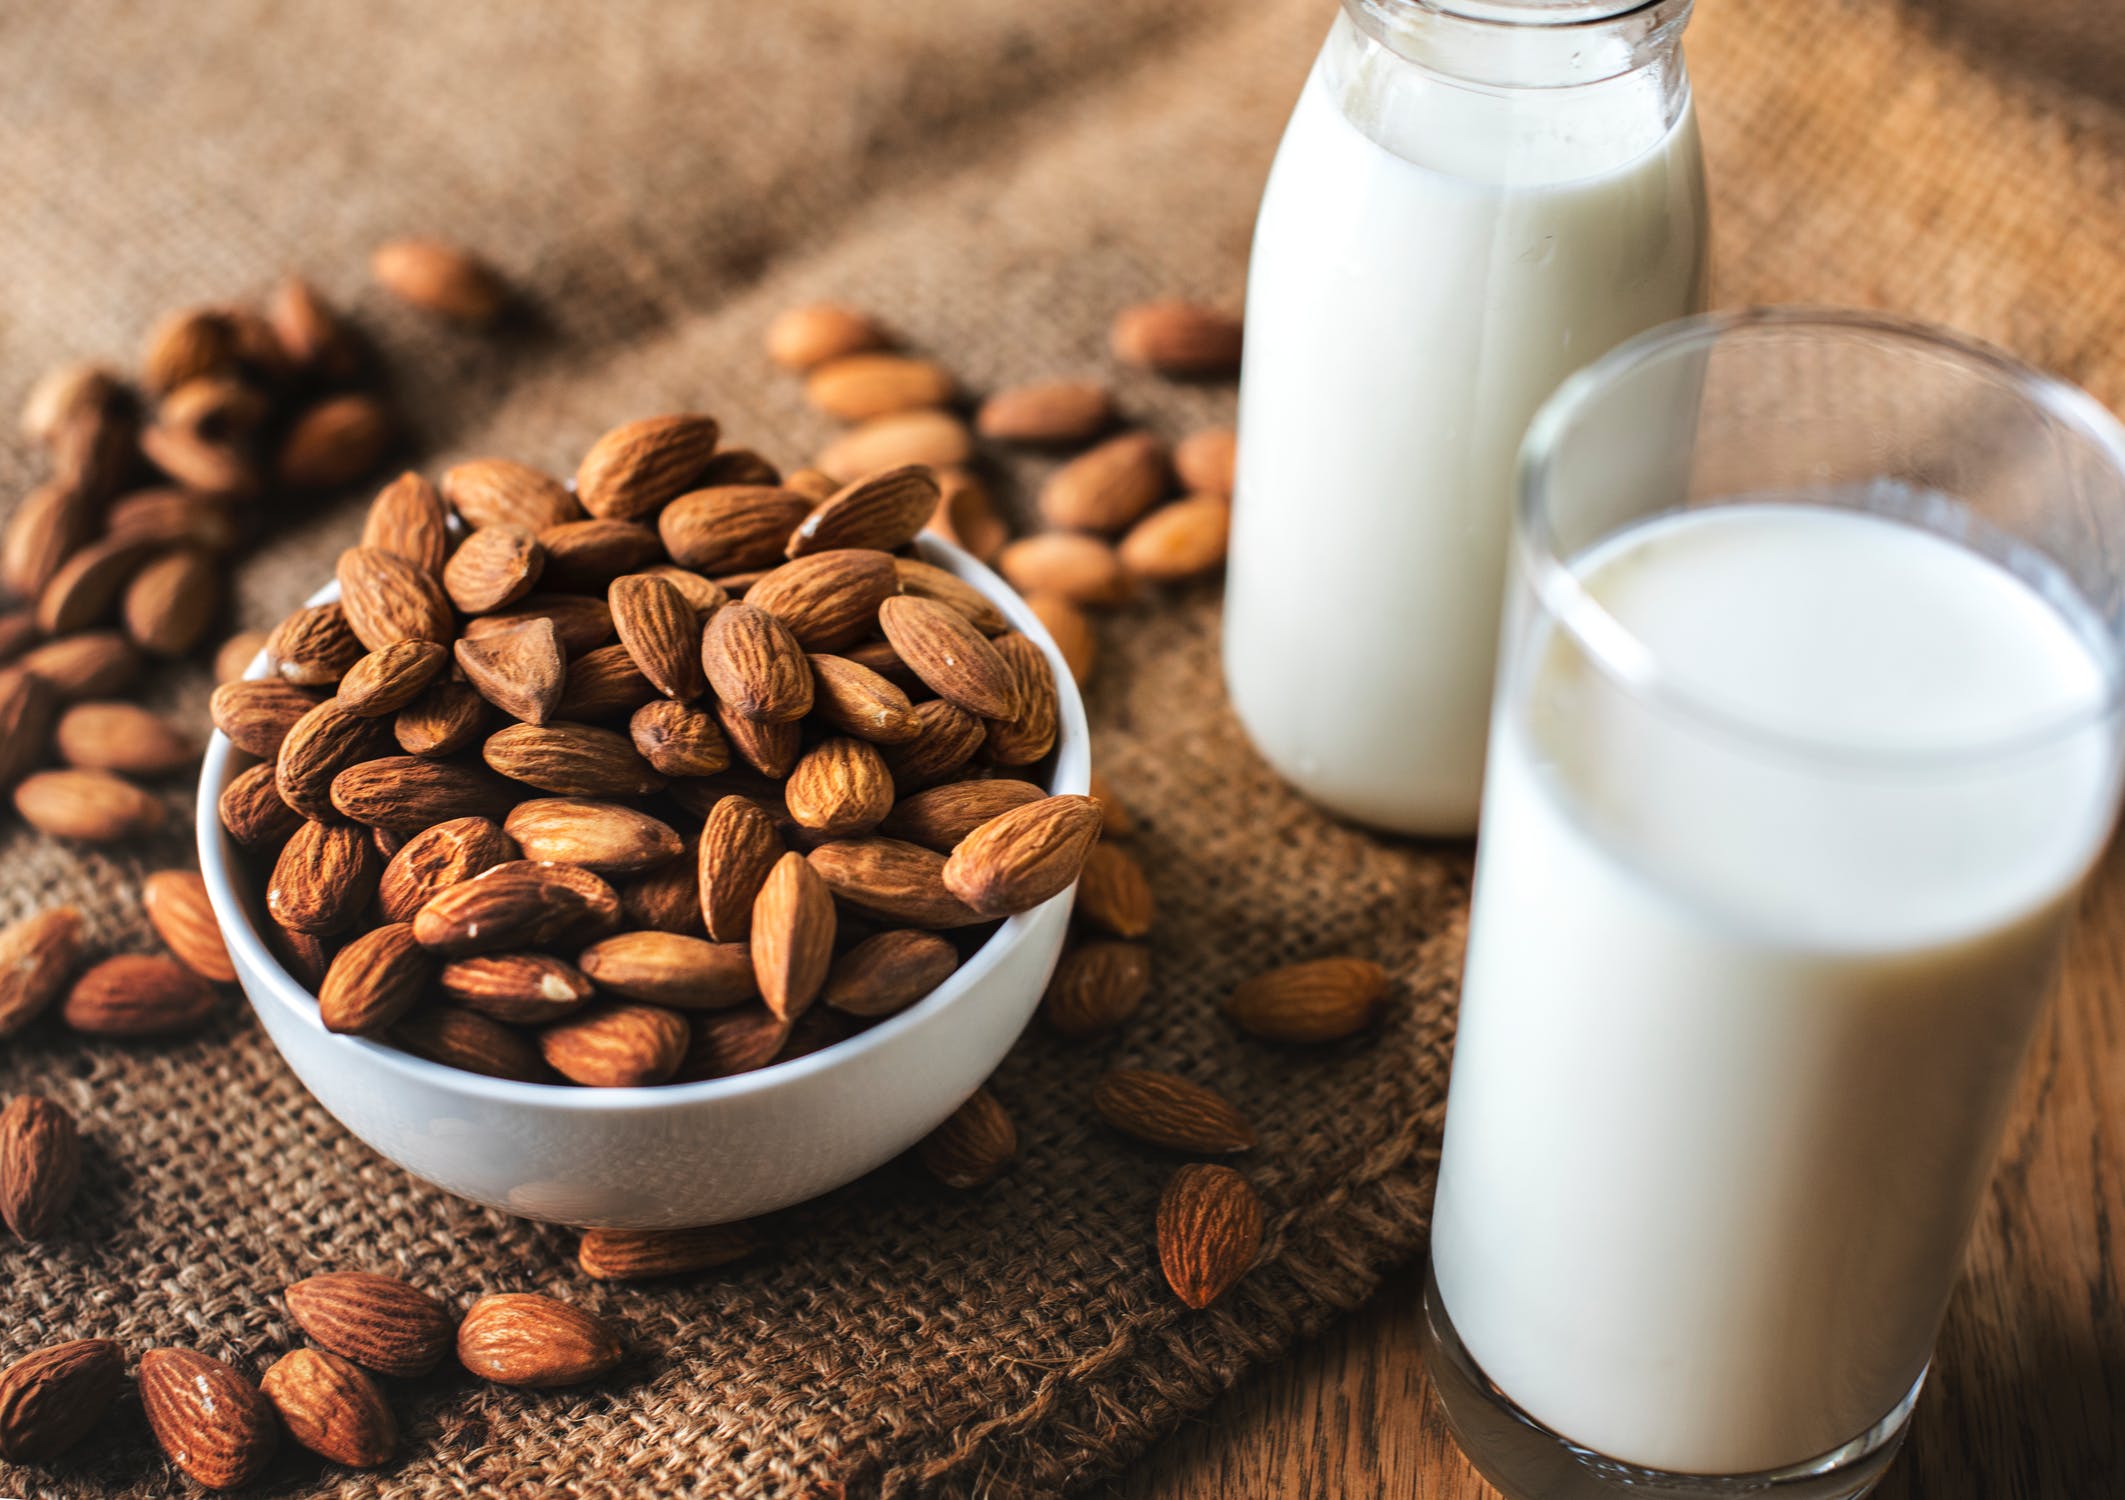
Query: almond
[123, 737]
[858, 701]
[520, 670]
[36, 956]
[215, 408]
[1209, 1231]
[437, 858]
[314, 646]
[604, 837]
[374, 981]
[1115, 821]
[1047, 412]
[739, 846]
[257, 715]
[946, 738]
[236, 655]
[1113, 894]
[92, 664]
[891, 880]
[440, 278]
[881, 511]
[617, 1046]
[93, 806]
[1181, 540]
[324, 742]
[1070, 630]
[40, 1165]
[520, 1338]
[660, 631]
[1323, 1000]
[214, 1424]
[1083, 570]
[855, 387]
[501, 492]
[171, 602]
[604, 684]
[305, 957]
[52, 1399]
[51, 524]
[827, 600]
[197, 463]
[934, 438]
[312, 335]
[965, 515]
[815, 485]
[524, 989]
[463, 1039]
[325, 875]
[85, 589]
[18, 632]
[388, 599]
[952, 658]
[493, 568]
[678, 739]
[138, 995]
[584, 557]
[803, 337]
[378, 1322]
[928, 581]
[940, 817]
[770, 749]
[704, 594]
[738, 1040]
[1175, 337]
[1021, 858]
[729, 528]
[1029, 733]
[665, 899]
[177, 518]
[176, 903]
[839, 788]
[1096, 987]
[383, 682]
[331, 1408]
[252, 812]
[27, 706]
[755, 664]
[575, 760]
[664, 968]
[407, 519]
[445, 719]
[885, 974]
[190, 342]
[973, 1145]
[639, 1254]
[636, 468]
[65, 394]
[1168, 1110]
[738, 466]
[792, 935]
[1205, 461]
[335, 442]
[522, 904]
[1107, 487]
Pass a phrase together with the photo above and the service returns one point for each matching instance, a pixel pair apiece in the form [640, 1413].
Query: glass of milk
[1806, 733]
[1473, 199]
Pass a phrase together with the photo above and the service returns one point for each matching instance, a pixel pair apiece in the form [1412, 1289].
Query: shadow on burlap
[997, 180]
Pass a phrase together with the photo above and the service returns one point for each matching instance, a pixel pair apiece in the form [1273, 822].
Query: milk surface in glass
[1432, 257]
[1739, 1026]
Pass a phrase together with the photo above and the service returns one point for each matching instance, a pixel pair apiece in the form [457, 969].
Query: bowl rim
[254, 961]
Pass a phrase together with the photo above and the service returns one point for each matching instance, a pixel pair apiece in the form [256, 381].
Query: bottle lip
[1525, 44]
[1537, 13]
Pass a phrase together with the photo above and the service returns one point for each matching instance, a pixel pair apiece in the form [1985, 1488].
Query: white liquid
[1418, 287]
[1739, 1027]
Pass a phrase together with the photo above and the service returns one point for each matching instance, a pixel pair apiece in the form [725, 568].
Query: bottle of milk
[1473, 199]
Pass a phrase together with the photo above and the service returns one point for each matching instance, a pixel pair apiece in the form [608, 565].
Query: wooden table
[2027, 1396]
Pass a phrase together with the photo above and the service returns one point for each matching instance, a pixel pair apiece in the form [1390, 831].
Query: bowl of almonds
[652, 851]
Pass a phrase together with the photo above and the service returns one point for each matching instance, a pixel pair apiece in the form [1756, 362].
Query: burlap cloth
[997, 178]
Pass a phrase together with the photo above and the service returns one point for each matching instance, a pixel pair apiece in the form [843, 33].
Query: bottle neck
[1527, 44]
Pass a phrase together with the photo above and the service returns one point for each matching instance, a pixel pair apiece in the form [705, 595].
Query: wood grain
[2027, 1396]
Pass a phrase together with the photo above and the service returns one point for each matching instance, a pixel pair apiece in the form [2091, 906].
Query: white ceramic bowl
[683, 1154]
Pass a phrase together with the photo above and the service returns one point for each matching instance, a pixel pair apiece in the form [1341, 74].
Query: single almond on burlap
[92, 664]
[377, 1321]
[660, 631]
[210, 523]
[95, 807]
[464, 1039]
[313, 646]
[1022, 857]
[887, 972]
[839, 788]
[573, 760]
[640, 1254]
[637, 467]
[502, 492]
[53, 1398]
[1105, 488]
[49, 525]
[172, 600]
[387, 598]
[138, 995]
[85, 589]
[966, 515]
[325, 875]
[946, 738]
[1322, 1000]
[1181, 540]
[520, 669]
[770, 749]
[324, 742]
[580, 623]
[895, 881]
[678, 739]
[1070, 630]
[521, 1338]
[441, 278]
[973, 1145]
[792, 935]
[210, 1421]
[1167, 1110]
[1047, 412]
[407, 519]
[604, 684]
[36, 956]
[1209, 1231]
[933, 438]
[665, 899]
[730, 528]
[443, 720]
[314, 338]
[176, 903]
[123, 737]
[493, 568]
[335, 442]
[928, 581]
[584, 557]
[1176, 337]
[664, 968]
[252, 812]
[383, 682]
[1029, 733]
[437, 858]
[857, 701]
[605, 837]
[623, 1046]
[1113, 893]
[881, 511]
[828, 600]
[856, 387]
[374, 980]
[955, 660]
[1096, 987]
[256, 715]
[738, 1040]
[802, 337]
[755, 664]
[524, 989]
[40, 1165]
[739, 846]
[332, 1408]
[943, 815]
[1084, 570]
[28, 705]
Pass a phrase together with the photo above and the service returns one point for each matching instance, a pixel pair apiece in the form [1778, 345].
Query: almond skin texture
[827, 600]
[460, 1038]
[1177, 338]
[952, 658]
[440, 278]
[171, 602]
[738, 1040]
[804, 337]
[1096, 987]
[604, 684]
[387, 599]
[93, 664]
[603, 837]
[520, 669]
[95, 807]
[966, 515]
[176, 903]
[617, 1046]
[379, 1322]
[639, 1254]
[442, 721]
[1115, 821]
[1209, 1231]
[894, 881]
[858, 701]
[235, 655]
[407, 519]
[1029, 733]
[495, 567]
[660, 631]
[40, 1166]
[946, 739]
[522, 904]
[1084, 570]
[325, 875]
[792, 936]
[335, 442]
[584, 557]
[1047, 412]
[635, 469]
[933, 438]
[730, 528]
[940, 817]
[1108, 487]
[524, 989]
[1205, 461]
[575, 760]
[885, 974]
[256, 716]
[739, 846]
[1324, 1000]
[324, 742]
[678, 739]
[856, 387]
[521, 1338]
[928, 581]
[404, 794]
[1020, 858]
[437, 858]
[383, 682]
[883, 511]
[667, 969]
[36, 956]
[1183, 540]
[974, 1144]
[755, 665]
[252, 812]
[211, 1422]
[52, 1399]
[374, 980]
[1113, 894]
[839, 788]
[502, 492]
[770, 749]
[331, 1408]
[313, 646]
[1167, 1110]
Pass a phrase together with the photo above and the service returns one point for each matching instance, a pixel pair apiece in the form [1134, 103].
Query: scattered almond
[214, 1424]
[332, 1408]
[1082, 570]
[1096, 987]
[521, 1338]
[1323, 1000]
[176, 903]
[379, 1322]
[95, 807]
[1183, 540]
[805, 337]
[1106, 488]
[1168, 1110]
[40, 1165]
[53, 1398]
[1209, 1232]
[1177, 338]
[973, 1145]
[1048, 412]
[854, 387]
[934, 438]
[1205, 460]
[639, 1254]
[37, 954]
[440, 278]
